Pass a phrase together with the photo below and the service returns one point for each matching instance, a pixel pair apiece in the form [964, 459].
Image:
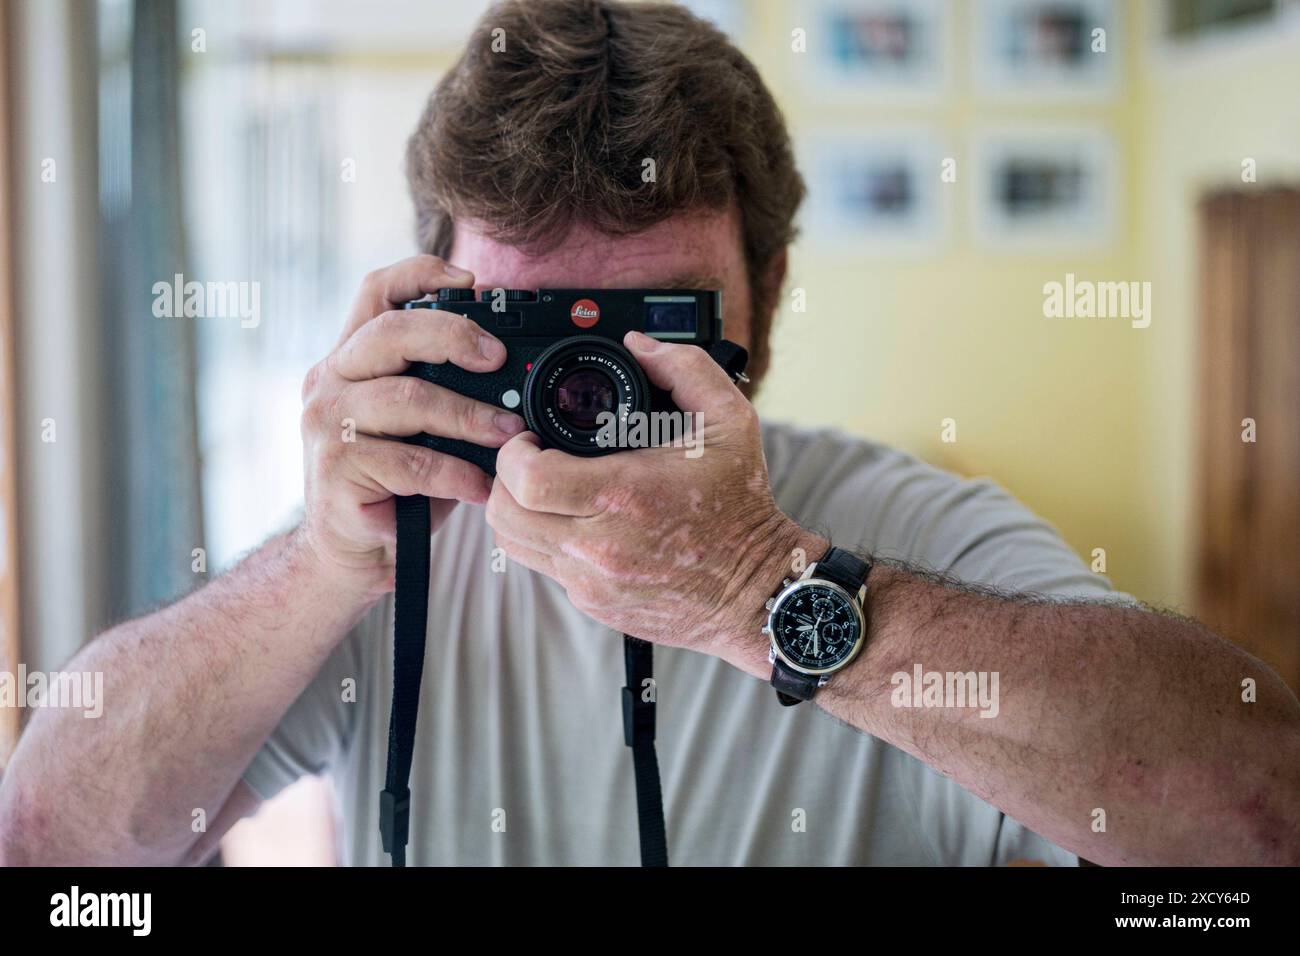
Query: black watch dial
[816, 627]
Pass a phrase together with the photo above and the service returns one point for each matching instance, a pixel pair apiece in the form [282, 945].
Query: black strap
[844, 568]
[410, 622]
[791, 686]
[639, 734]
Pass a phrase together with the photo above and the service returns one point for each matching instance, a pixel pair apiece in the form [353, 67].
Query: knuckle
[533, 483]
[409, 390]
[470, 418]
[421, 464]
[312, 415]
[331, 453]
[311, 381]
[388, 324]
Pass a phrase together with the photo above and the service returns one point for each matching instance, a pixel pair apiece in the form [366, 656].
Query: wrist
[362, 583]
[783, 551]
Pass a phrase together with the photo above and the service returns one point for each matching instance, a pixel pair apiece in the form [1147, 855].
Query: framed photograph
[1035, 49]
[878, 191]
[875, 48]
[1044, 189]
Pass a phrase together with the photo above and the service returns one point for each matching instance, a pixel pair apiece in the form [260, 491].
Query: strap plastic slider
[638, 717]
[394, 818]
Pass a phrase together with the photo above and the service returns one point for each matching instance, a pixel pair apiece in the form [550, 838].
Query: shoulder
[871, 497]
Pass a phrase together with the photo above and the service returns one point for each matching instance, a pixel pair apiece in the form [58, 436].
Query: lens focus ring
[574, 386]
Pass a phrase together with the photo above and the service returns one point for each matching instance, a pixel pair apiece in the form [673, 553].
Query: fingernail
[508, 424]
[456, 272]
[490, 348]
[641, 341]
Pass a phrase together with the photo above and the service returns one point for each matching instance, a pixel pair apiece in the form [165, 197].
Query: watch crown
[771, 603]
[766, 630]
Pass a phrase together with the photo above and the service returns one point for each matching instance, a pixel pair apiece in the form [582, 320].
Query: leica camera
[566, 370]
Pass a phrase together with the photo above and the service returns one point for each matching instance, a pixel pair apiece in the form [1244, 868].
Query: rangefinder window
[670, 317]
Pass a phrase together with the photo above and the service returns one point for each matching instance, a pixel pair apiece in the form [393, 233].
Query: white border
[828, 82]
[827, 227]
[1093, 142]
[995, 79]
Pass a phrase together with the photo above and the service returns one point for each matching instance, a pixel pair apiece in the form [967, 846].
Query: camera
[566, 370]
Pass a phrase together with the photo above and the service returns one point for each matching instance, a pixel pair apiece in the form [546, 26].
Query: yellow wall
[1205, 115]
[1086, 421]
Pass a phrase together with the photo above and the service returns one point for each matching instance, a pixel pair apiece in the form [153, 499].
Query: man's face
[689, 251]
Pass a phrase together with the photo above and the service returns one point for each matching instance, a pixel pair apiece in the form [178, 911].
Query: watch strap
[844, 568]
[791, 686]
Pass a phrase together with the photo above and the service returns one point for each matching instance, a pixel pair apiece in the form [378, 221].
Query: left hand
[673, 549]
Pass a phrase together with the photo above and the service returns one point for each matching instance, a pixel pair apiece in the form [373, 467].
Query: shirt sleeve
[315, 730]
[978, 533]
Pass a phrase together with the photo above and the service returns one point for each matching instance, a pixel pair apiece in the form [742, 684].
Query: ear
[768, 292]
[773, 278]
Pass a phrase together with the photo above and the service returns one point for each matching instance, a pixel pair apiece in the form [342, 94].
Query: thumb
[697, 383]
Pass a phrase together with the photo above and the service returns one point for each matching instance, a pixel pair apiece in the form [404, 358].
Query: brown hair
[555, 128]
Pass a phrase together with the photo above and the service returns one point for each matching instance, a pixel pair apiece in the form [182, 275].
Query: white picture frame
[1034, 50]
[892, 51]
[1044, 189]
[877, 192]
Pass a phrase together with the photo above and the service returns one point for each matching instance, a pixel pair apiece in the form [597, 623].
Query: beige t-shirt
[519, 755]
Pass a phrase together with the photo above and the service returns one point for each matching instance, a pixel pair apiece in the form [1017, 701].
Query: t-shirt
[520, 758]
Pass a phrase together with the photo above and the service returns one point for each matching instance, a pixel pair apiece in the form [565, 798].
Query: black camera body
[566, 368]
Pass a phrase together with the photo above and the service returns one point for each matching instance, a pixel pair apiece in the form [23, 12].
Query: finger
[394, 285]
[527, 557]
[384, 468]
[545, 533]
[696, 381]
[392, 341]
[551, 481]
[401, 405]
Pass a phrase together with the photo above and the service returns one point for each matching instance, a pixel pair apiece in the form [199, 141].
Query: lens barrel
[573, 388]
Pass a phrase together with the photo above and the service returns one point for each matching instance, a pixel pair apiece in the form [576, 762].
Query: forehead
[688, 250]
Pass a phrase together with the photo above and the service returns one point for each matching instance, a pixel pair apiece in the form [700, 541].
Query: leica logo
[584, 313]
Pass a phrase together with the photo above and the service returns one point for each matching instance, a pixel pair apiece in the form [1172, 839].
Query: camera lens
[581, 396]
[578, 388]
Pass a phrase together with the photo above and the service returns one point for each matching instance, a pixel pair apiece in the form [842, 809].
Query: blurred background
[961, 157]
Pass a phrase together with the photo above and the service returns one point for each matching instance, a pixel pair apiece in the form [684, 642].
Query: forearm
[1121, 710]
[190, 693]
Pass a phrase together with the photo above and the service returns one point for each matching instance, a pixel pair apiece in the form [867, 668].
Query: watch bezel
[853, 602]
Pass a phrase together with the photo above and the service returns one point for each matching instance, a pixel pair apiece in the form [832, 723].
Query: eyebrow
[690, 280]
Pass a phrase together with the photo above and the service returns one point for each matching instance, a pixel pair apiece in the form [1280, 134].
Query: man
[1115, 733]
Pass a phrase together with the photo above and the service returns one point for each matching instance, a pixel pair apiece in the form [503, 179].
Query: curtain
[155, 518]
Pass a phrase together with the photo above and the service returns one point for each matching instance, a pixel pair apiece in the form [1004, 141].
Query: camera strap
[410, 623]
[639, 734]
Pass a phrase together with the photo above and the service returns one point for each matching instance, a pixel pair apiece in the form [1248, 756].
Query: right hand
[350, 517]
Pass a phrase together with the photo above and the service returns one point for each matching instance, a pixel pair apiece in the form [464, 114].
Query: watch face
[816, 626]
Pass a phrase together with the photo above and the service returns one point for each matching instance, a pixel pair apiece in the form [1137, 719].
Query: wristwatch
[817, 624]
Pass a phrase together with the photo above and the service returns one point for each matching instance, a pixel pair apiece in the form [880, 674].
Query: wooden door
[1248, 501]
